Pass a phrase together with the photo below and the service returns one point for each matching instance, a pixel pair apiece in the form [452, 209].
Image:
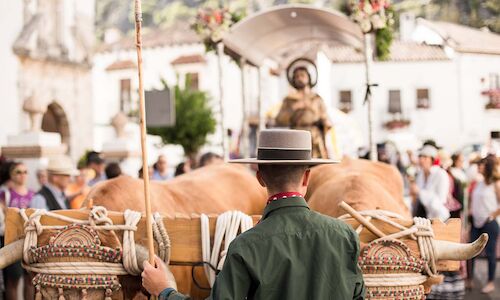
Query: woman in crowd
[183, 168]
[16, 194]
[485, 211]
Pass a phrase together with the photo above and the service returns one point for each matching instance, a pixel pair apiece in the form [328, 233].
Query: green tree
[194, 121]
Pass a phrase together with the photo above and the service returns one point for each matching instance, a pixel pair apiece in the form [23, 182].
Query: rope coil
[226, 229]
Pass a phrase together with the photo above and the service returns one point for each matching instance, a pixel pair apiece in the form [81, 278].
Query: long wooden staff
[142, 105]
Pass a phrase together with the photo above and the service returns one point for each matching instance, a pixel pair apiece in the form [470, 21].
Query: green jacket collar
[288, 202]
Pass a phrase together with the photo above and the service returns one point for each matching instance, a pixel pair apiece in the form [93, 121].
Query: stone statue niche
[35, 110]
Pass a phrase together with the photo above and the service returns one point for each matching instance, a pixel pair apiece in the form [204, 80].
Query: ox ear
[259, 178]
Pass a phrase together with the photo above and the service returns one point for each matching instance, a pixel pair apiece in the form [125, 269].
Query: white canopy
[288, 31]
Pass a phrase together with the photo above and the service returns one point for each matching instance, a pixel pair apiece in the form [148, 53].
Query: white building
[435, 85]
[46, 60]
[170, 55]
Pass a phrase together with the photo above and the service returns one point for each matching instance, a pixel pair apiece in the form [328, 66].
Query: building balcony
[396, 124]
[494, 98]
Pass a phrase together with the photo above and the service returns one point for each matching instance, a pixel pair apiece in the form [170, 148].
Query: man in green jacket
[293, 252]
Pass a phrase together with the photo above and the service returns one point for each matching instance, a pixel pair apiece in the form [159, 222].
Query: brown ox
[363, 184]
[215, 189]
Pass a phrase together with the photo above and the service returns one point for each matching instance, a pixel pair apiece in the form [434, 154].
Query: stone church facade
[48, 62]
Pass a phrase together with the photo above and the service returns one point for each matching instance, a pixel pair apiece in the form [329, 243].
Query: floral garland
[211, 23]
[375, 16]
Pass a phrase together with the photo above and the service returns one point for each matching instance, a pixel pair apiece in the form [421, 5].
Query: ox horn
[456, 251]
[142, 254]
[11, 253]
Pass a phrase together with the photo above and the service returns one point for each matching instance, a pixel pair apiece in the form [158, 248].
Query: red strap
[284, 195]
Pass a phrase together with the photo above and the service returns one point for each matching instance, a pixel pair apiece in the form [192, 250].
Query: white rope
[391, 280]
[226, 229]
[77, 268]
[161, 236]
[129, 255]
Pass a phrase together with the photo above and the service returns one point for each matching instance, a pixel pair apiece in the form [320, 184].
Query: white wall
[156, 66]
[477, 121]
[456, 117]
[11, 106]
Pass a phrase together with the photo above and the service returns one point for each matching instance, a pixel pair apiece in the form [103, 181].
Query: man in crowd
[51, 196]
[210, 158]
[96, 163]
[161, 169]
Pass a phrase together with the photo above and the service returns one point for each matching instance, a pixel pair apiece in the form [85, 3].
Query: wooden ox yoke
[186, 242]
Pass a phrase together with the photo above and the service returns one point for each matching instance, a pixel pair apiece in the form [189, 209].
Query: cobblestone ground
[480, 277]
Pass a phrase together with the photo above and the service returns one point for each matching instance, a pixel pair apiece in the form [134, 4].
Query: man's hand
[156, 279]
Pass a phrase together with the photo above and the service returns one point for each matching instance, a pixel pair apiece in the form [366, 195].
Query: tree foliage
[194, 121]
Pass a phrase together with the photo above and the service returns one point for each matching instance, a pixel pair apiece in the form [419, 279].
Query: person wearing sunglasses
[16, 194]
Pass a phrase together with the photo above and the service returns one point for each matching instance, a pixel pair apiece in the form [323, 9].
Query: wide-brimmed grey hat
[284, 147]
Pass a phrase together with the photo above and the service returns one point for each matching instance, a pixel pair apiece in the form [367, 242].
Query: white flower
[366, 25]
[377, 21]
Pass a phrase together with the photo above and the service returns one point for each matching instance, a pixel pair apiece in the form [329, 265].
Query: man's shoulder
[315, 222]
[332, 223]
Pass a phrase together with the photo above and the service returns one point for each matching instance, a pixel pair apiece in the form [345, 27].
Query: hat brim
[64, 172]
[310, 162]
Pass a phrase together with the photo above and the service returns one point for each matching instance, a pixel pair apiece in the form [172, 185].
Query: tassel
[84, 294]
[109, 293]
[38, 295]
[61, 294]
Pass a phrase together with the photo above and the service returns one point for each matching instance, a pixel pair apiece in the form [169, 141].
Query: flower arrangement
[372, 15]
[375, 16]
[211, 23]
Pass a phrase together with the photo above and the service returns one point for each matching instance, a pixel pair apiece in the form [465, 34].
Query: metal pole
[368, 64]
[220, 53]
[244, 125]
[149, 218]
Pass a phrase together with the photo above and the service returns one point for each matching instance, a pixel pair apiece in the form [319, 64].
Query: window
[345, 104]
[192, 81]
[494, 81]
[423, 98]
[395, 102]
[125, 95]
[493, 93]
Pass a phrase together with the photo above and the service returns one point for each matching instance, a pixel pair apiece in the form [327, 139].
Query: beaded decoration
[391, 257]
[76, 241]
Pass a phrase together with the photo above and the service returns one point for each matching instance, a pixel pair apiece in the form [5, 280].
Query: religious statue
[303, 108]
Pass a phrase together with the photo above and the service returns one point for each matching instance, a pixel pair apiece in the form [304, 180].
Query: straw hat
[284, 147]
[61, 165]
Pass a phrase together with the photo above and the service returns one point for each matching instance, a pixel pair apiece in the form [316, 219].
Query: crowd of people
[64, 185]
[438, 186]
[445, 186]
